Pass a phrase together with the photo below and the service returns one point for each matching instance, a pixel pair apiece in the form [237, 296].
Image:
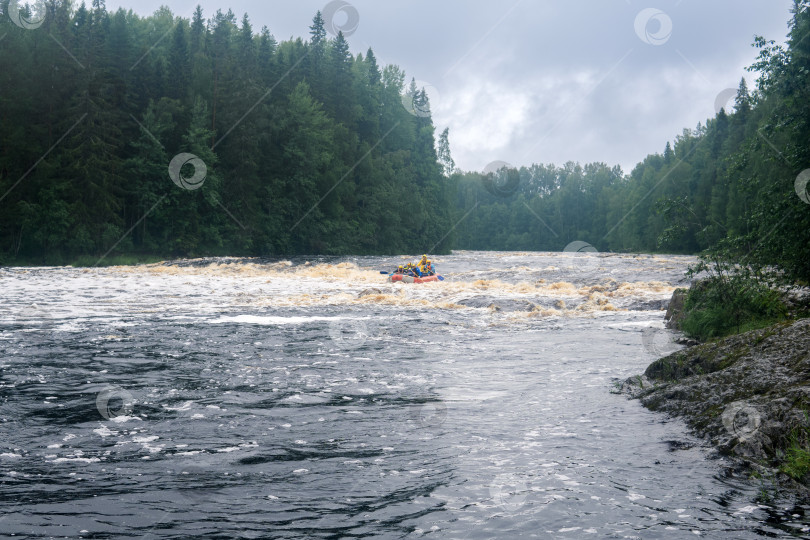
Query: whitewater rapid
[310, 398]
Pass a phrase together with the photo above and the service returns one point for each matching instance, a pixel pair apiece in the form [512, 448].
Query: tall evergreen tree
[445, 159]
[317, 32]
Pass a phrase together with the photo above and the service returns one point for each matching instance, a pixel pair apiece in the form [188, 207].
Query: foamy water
[313, 399]
[570, 289]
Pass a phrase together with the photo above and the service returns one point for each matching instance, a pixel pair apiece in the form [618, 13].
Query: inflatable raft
[412, 279]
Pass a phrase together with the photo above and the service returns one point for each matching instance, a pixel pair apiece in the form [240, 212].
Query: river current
[248, 398]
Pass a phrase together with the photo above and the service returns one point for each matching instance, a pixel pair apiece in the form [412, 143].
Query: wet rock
[675, 311]
[367, 292]
[748, 394]
[679, 445]
[497, 304]
[476, 302]
[648, 305]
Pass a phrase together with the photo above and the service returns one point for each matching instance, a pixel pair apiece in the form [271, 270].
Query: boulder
[497, 304]
[675, 309]
[367, 292]
[748, 394]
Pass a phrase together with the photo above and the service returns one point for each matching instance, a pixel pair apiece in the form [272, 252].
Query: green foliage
[308, 148]
[796, 462]
[725, 187]
[443, 153]
[536, 208]
[730, 300]
[760, 227]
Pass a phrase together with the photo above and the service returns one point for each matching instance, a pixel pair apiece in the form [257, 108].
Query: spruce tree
[445, 159]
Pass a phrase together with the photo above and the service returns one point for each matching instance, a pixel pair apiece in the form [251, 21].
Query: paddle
[441, 278]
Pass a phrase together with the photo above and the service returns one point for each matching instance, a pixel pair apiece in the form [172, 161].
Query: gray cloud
[528, 81]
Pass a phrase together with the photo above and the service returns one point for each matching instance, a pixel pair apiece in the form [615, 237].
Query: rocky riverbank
[748, 394]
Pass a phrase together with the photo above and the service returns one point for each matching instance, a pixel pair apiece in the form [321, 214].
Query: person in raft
[428, 269]
[418, 269]
[406, 270]
[423, 268]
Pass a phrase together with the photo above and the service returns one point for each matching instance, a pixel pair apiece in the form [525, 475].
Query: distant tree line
[734, 186]
[300, 147]
[297, 147]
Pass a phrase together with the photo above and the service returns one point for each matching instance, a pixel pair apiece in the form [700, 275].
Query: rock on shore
[748, 394]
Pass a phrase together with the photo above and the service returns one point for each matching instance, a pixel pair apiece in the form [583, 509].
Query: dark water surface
[231, 398]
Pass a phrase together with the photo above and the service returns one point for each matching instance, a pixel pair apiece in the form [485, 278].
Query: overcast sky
[531, 81]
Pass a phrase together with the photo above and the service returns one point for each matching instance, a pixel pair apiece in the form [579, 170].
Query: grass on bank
[732, 299]
[721, 306]
[797, 458]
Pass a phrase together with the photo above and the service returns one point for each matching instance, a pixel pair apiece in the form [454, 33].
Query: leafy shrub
[797, 456]
[730, 300]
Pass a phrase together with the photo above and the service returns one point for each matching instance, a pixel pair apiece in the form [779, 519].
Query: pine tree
[445, 159]
[247, 48]
[742, 102]
[668, 153]
[374, 75]
[197, 30]
[179, 62]
[317, 32]
[308, 153]
[341, 97]
[267, 45]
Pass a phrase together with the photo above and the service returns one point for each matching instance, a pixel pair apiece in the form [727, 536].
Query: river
[249, 398]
